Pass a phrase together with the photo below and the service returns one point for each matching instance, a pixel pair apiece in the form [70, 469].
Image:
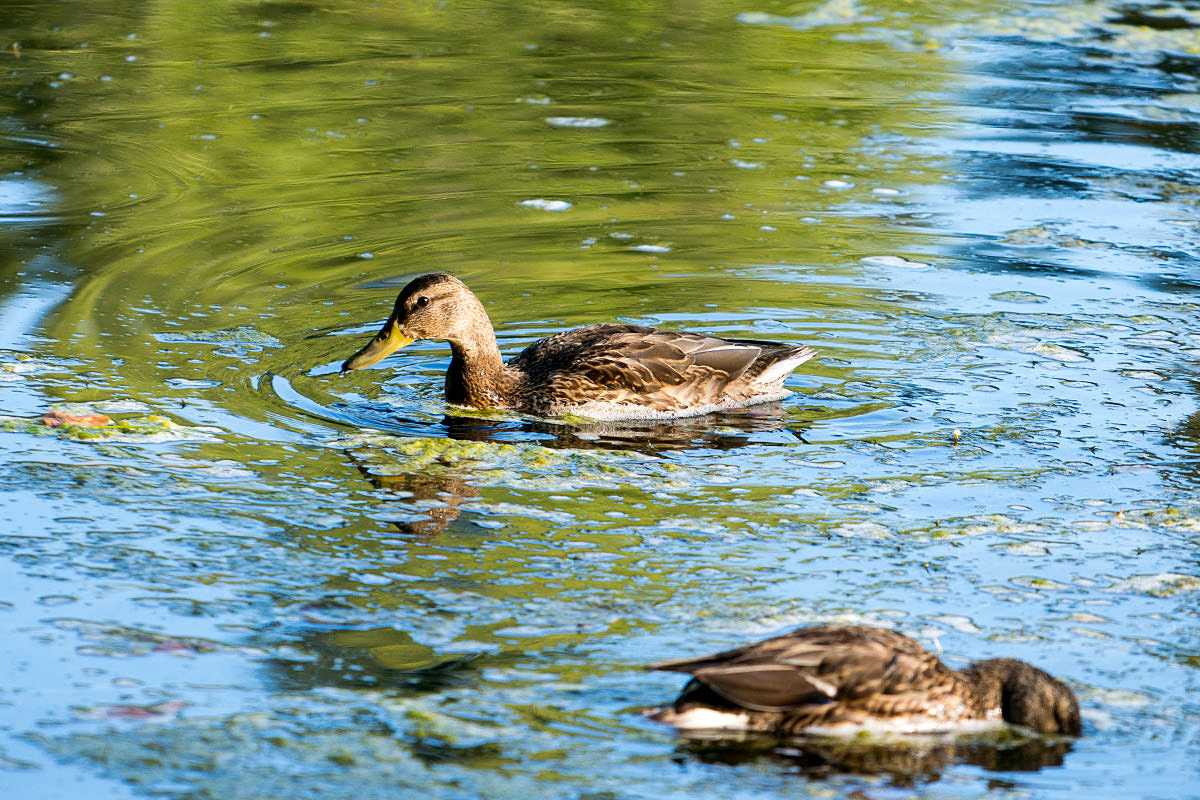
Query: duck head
[434, 306]
[1029, 697]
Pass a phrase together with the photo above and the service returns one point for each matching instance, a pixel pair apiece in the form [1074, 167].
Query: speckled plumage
[830, 678]
[608, 371]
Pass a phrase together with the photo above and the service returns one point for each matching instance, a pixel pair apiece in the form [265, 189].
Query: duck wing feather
[625, 362]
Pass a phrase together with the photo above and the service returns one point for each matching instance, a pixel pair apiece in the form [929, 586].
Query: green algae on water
[524, 465]
[139, 429]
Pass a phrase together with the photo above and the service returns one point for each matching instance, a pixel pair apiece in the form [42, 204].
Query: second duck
[834, 679]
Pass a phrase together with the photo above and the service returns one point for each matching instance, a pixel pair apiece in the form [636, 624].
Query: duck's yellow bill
[389, 340]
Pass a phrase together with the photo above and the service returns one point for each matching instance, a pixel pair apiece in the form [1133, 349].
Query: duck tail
[781, 364]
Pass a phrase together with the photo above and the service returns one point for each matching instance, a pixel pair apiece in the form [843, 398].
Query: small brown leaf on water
[56, 418]
[157, 712]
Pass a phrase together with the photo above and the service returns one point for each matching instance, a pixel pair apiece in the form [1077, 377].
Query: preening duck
[837, 679]
[607, 372]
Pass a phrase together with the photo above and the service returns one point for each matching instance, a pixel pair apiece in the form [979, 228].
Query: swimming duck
[831, 679]
[606, 372]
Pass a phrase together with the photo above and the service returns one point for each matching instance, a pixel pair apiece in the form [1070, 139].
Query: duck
[842, 679]
[605, 372]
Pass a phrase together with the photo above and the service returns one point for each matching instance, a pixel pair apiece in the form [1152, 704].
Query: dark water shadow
[912, 761]
[385, 660]
[1082, 95]
[1139, 18]
[382, 658]
[1185, 439]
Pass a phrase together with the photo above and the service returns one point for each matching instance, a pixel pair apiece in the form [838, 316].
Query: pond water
[266, 579]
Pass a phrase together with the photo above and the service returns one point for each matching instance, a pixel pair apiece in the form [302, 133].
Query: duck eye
[422, 300]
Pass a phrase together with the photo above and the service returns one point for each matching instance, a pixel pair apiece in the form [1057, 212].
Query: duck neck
[476, 376]
[986, 680]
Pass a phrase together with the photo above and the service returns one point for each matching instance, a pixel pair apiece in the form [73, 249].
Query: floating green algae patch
[238, 757]
[1020, 297]
[1166, 584]
[295, 751]
[520, 466]
[1171, 518]
[135, 429]
[121, 641]
[15, 366]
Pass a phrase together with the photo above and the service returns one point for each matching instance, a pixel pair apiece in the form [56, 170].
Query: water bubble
[543, 204]
[577, 122]
[892, 261]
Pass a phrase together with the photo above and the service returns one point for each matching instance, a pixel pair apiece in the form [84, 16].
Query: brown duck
[832, 679]
[605, 371]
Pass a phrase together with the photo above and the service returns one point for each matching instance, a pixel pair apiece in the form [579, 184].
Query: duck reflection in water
[431, 503]
[866, 699]
[906, 760]
[762, 424]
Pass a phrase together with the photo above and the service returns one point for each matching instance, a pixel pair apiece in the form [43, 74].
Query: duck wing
[875, 670]
[664, 354]
[636, 364]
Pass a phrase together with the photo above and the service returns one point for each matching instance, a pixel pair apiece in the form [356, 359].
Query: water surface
[268, 579]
